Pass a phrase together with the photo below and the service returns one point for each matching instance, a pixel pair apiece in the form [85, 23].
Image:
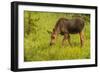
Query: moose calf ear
[49, 31]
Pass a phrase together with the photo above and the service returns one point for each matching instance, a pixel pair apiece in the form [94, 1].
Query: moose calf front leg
[64, 39]
[69, 40]
[82, 38]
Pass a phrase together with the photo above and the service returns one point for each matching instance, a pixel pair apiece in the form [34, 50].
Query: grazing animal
[66, 27]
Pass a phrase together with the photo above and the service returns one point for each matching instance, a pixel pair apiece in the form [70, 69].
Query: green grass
[36, 44]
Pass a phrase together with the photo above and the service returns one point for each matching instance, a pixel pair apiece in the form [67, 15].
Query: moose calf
[66, 27]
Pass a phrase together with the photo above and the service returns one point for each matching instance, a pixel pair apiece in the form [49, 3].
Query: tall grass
[36, 42]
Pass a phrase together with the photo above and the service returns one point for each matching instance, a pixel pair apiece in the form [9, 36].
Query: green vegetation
[37, 38]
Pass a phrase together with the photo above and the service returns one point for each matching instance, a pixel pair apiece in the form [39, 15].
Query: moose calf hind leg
[82, 38]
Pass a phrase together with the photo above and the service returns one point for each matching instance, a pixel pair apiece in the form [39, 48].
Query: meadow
[37, 39]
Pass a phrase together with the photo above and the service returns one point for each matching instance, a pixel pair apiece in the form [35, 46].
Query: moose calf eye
[53, 37]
